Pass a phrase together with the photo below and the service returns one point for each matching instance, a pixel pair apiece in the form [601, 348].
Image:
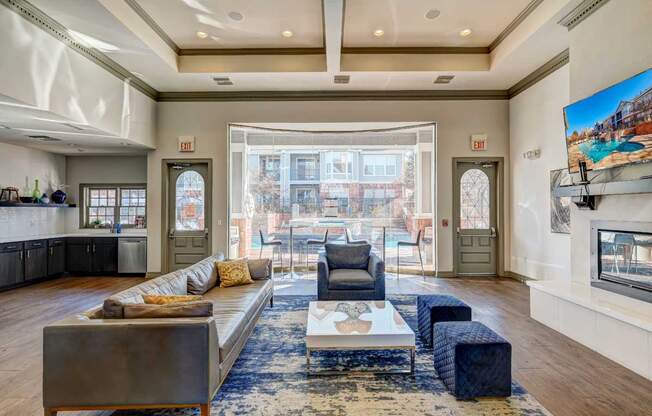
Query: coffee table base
[412, 351]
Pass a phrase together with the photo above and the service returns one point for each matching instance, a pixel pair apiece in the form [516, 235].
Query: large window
[189, 201]
[474, 200]
[338, 165]
[105, 205]
[380, 165]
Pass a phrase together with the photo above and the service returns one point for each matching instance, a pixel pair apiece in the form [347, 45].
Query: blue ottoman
[472, 360]
[439, 308]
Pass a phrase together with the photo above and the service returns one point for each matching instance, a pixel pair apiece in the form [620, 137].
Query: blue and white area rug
[270, 377]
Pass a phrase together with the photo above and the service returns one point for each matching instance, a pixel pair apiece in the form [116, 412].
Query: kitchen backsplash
[30, 222]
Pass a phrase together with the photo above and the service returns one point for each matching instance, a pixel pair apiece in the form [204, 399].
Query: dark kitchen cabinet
[78, 255]
[56, 256]
[105, 255]
[92, 255]
[11, 264]
[36, 260]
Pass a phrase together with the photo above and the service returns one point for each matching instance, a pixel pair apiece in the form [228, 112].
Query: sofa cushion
[230, 325]
[202, 276]
[244, 299]
[169, 310]
[260, 268]
[347, 279]
[347, 256]
[233, 273]
[175, 283]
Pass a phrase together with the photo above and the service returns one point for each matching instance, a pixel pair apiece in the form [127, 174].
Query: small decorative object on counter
[96, 223]
[45, 199]
[36, 193]
[140, 221]
[58, 196]
[9, 194]
[118, 228]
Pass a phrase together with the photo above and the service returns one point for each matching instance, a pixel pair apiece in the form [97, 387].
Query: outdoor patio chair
[276, 244]
[350, 240]
[416, 243]
[315, 242]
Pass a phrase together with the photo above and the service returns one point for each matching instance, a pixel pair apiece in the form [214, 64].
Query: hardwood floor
[566, 377]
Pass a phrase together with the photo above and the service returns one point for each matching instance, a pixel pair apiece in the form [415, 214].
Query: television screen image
[613, 127]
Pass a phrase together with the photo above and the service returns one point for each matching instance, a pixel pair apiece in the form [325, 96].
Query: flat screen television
[612, 127]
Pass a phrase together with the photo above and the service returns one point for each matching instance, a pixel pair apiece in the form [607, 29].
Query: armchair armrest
[376, 269]
[322, 276]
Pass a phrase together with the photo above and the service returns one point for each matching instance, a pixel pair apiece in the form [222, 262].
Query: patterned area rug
[270, 377]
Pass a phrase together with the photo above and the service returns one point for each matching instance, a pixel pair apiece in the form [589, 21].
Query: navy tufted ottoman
[472, 360]
[439, 308]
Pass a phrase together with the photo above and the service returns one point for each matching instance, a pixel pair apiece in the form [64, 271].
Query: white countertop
[89, 233]
[595, 299]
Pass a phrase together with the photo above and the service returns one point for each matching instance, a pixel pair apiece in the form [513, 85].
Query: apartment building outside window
[380, 165]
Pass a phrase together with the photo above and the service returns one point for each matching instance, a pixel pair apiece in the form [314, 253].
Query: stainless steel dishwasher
[132, 255]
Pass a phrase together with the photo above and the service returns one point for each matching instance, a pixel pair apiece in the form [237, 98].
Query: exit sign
[186, 143]
[479, 142]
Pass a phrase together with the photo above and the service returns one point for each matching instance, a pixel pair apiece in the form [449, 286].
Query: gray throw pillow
[195, 309]
[260, 269]
[202, 277]
[348, 256]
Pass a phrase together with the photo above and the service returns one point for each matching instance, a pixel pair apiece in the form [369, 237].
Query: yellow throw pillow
[233, 273]
[169, 299]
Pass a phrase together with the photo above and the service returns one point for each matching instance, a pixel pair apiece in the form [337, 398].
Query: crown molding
[133, 4]
[581, 12]
[437, 50]
[515, 23]
[252, 51]
[401, 95]
[540, 73]
[44, 22]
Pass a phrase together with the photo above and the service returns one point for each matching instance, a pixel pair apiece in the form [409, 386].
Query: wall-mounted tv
[612, 127]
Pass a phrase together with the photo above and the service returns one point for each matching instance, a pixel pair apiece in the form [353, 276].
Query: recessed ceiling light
[379, 32]
[202, 35]
[465, 32]
[236, 16]
[432, 14]
[287, 33]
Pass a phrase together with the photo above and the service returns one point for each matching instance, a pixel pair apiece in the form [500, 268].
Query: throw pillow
[260, 268]
[233, 273]
[170, 310]
[202, 277]
[169, 299]
[348, 256]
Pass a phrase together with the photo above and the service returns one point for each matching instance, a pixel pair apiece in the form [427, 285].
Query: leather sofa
[91, 362]
[350, 272]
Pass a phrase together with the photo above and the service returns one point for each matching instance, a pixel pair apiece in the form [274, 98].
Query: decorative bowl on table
[27, 199]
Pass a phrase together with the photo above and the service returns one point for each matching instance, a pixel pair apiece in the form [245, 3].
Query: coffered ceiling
[181, 46]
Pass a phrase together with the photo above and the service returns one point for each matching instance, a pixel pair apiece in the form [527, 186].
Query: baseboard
[517, 276]
[151, 275]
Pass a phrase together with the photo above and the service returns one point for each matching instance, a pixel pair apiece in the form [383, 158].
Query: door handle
[94, 247]
[171, 233]
[206, 233]
[88, 248]
[27, 253]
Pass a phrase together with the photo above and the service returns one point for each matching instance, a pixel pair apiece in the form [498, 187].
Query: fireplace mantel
[635, 186]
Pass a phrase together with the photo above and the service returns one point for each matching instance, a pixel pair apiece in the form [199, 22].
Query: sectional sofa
[99, 360]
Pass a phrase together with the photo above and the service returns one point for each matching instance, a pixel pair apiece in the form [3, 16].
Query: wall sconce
[532, 154]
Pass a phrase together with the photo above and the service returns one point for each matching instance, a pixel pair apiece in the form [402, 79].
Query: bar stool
[271, 242]
[350, 240]
[417, 244]
[315, 242]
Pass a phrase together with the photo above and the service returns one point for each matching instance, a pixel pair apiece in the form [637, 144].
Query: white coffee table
[357, 325]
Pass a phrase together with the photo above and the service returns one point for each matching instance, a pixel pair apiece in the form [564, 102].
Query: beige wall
[457, 120]
[536, 122]
[20, 166]
[100, 169]
[604, 52]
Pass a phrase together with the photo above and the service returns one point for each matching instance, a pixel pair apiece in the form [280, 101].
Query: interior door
[475, 218]
[189, 214]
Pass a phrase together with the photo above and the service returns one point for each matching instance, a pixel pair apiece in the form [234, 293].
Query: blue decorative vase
[58, 196]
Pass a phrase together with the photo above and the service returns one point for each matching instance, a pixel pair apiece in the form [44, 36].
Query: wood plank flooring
[566, 377]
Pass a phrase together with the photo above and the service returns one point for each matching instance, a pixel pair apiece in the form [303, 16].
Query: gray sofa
[350, 272]
[92, 362]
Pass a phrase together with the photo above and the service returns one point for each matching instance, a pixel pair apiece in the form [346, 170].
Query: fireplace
[621, 258]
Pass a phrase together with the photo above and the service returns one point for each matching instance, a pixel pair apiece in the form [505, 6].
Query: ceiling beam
[333, 15]
[398, 62]
[540, 73]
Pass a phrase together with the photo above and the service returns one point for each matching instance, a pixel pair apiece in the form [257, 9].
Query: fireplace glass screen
[626, 258]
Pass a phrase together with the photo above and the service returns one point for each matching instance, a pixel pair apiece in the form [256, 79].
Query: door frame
[165, 168]
[500, 209]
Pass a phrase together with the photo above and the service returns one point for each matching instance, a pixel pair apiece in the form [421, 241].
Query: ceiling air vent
[444, 79]
[45, 138]
[341, 79]
[223, 80]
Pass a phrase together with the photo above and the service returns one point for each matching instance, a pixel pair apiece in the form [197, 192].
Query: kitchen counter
[89, 233]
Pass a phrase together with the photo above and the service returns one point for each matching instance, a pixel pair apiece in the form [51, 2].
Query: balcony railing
[304, 174]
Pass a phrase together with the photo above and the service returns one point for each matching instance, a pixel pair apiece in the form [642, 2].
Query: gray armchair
[350, 272]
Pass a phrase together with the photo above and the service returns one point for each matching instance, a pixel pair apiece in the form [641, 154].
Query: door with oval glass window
[476, 237]
[189, 214]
